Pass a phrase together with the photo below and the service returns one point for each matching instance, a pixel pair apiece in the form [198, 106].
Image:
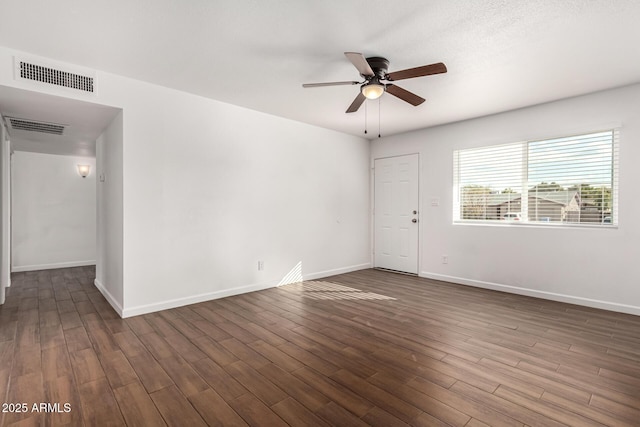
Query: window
[568, 180]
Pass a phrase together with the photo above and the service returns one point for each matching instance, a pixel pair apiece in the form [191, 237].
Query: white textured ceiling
[501, 55]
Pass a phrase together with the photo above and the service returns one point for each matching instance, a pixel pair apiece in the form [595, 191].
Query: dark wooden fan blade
[330, 84]
[405, 95]
[425, 70]
[356, 103]
[360, 63]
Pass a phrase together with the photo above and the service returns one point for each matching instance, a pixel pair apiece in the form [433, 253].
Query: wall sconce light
[84, 170]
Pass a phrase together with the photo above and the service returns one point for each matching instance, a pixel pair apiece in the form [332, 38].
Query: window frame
[525, 185]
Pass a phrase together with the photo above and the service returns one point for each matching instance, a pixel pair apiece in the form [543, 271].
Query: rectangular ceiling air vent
[53, 74]
[33, 126]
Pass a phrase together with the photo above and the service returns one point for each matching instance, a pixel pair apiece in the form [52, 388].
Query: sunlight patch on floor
[320, 290]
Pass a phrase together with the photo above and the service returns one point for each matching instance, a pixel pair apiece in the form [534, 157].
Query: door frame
[372, 193]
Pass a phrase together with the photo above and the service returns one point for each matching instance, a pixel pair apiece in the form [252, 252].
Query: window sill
[525, 224]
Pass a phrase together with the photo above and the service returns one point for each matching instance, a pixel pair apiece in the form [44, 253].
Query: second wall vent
[34, 126]
[54, 75]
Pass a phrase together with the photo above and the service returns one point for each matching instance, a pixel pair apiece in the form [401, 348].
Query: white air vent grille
[55, 76]
[33, 126]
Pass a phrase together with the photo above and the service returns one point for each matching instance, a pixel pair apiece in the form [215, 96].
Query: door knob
[414, 220]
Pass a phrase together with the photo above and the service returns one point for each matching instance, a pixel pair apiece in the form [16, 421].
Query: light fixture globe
[84, 170]
[373, 90]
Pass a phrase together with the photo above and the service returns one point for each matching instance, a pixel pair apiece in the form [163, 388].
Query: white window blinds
[568, 180]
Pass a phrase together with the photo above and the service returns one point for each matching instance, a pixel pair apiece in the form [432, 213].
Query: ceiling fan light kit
[374, 72]
[372, 90]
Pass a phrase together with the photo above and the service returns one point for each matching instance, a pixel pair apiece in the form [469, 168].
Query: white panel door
[396, 213]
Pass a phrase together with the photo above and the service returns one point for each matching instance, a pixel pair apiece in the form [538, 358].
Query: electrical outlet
[445, 259]
[260, 265]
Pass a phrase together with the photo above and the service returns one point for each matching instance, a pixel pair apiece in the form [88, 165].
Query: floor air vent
[33, 126]
[53, 75]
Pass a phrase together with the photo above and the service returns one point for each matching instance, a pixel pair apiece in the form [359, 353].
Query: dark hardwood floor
[365, 348]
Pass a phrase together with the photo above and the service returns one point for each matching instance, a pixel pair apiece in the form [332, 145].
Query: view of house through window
[568, 180]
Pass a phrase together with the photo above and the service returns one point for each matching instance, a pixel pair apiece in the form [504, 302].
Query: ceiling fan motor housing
[379, 66]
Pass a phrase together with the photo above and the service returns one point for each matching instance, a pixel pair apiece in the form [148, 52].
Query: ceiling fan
[374, 72]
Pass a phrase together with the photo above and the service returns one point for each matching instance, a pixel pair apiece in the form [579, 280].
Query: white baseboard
[194, 299]
[571, 299]
[107, 295]
[35, 267]
[343, 270]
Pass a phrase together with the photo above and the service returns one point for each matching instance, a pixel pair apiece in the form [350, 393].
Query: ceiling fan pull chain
[365, 118]
[379, 106]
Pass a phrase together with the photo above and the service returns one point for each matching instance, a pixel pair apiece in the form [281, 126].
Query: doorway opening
[55, 210]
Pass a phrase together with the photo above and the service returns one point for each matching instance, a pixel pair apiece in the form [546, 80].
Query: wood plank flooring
[364, 348]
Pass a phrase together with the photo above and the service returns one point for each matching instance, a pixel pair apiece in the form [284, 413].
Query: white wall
[209, 189]
[595, 267]
[53, 212]
[5, 206]
[109, 255]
